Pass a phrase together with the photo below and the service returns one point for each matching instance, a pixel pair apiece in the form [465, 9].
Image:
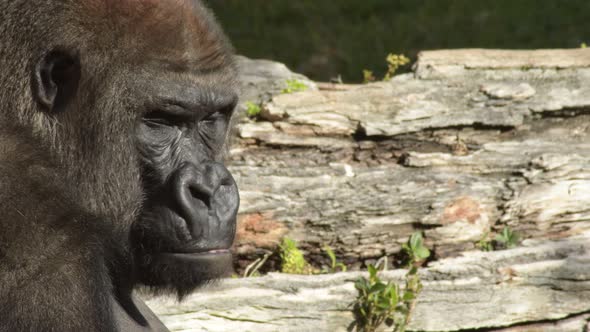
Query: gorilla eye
[161, 118]
[213, 126]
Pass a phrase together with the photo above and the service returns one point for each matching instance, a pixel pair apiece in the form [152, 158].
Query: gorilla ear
[55, 80]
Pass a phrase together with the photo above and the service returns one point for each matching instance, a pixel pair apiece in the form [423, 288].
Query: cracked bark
[544, 285]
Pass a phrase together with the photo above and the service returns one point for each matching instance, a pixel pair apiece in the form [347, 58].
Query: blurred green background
[327, 38]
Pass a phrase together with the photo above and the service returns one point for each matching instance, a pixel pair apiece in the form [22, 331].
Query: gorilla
[113, 121]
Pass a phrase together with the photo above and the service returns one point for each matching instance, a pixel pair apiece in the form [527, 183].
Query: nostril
[202, 192]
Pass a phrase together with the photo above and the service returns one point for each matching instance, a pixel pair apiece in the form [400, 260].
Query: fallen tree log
[462, 147]
[542, 286]
[471, 142]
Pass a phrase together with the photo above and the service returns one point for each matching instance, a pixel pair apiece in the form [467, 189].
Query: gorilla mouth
[205, 265]
[197, 254]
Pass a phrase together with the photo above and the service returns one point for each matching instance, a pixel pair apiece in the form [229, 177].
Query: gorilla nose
[207, 198]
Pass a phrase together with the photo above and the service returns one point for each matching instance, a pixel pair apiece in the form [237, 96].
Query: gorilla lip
[213, 252]
[202, 253]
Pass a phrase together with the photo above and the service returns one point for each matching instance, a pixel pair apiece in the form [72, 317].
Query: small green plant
[252, 109]
[415, 248]
[294, 86]
[334, 264]
[377, 302]
[507, 239]
[252, 269]
[485, 244]
[394, 61]
[381, 302]
[368, 76]
[292, 258]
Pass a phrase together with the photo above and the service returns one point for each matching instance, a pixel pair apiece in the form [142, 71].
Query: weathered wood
[534, 286]
[501, 59]
[458, 153]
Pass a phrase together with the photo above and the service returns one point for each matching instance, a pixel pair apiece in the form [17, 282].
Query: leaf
[330, 254]
[416, 240]
[372, 271]
[361, 284]
[406, 248]
[409, 296]
[422, 253]
[393, 294]
[384, 305]
[378, 287]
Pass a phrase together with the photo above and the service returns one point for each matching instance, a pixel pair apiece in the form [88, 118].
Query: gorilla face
[144, 107]
[187, 94]
[188, 221]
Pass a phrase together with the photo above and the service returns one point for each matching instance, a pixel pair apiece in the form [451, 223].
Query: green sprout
[394, 61]
[485, 244]
[252, 109]
[508, 239]
[368, 76]
[334, 264]
[294, 86]
[292, 258]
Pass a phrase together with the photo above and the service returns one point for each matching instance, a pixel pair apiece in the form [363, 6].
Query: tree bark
[541, 286]
[473, 141]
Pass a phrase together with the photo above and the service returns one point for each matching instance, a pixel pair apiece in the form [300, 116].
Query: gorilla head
[132, 99]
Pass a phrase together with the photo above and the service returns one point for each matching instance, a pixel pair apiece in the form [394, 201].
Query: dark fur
[91, 198]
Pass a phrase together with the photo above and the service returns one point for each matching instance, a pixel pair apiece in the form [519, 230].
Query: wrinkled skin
[113, 124]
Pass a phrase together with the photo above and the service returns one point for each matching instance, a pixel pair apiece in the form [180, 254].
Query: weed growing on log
[334, 264]
[485, 244]
[292, 259]
[507, 239]
[252, 109]
[394, 61]
[368, 76]
[378, 302]
[294, 86]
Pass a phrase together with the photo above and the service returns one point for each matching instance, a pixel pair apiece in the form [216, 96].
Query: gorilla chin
[180, 264]
[189, 271]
